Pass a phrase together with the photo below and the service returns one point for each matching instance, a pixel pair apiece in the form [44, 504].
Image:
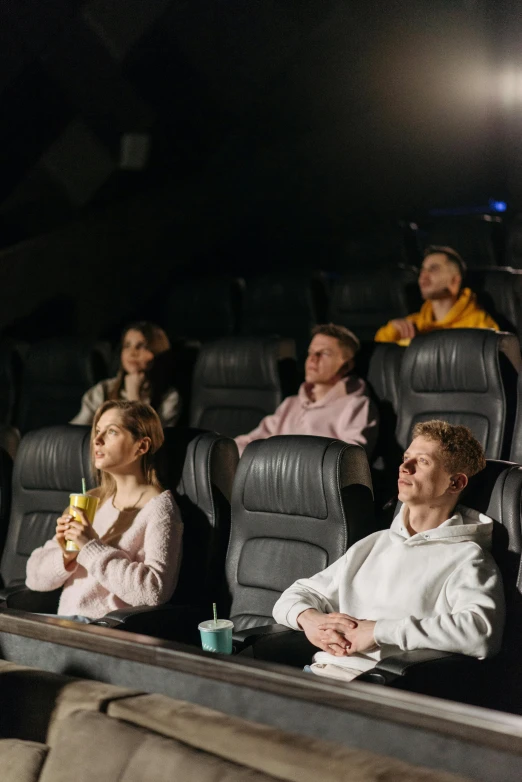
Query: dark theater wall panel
[270, 125]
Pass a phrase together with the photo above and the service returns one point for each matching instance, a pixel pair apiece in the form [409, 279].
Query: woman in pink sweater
[131, 554]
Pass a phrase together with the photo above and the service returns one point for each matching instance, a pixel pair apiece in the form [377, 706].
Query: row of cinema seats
[289, 508]
[289, 305]
[238, 380]
[467, 376]
[43, 384]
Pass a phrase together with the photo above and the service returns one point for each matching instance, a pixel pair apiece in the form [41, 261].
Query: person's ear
[144, 446]
[458, 483]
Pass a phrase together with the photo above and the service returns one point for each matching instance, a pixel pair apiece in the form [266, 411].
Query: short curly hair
[461, 451]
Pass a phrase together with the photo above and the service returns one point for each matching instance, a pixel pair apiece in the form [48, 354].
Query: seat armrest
[245, 638]
[429, 672]
[5, 592]
[168, 622]
[24, 599]
[276, 644]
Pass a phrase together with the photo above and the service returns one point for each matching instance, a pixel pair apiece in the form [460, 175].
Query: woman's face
[135, 354]
[115, 450]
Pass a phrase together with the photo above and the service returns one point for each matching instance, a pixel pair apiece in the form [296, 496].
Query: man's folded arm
[473, 624]
[320, 592]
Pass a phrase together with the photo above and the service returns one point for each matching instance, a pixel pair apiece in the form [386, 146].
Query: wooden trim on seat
[485, 727]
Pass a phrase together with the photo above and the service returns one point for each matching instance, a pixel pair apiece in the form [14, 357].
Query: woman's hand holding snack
[62, 526]
[79, 530]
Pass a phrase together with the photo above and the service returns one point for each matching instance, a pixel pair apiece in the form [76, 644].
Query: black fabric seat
[463, 376]
[238, 381]
[197, 466]
[285, 305]
[499, 292]
[366, 300]
[203, 309]
[496, 682]
[57, 373]
[298, 503]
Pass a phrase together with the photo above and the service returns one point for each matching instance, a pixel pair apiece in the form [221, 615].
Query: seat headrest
[439, 362]
[288, 473]
[239, 362]
[64, 362]
[54, 458]
[363, 292]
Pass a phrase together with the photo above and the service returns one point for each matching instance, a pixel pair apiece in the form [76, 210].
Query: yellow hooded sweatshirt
[465, 314]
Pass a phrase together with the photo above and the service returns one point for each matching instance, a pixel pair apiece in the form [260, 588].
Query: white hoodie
[438, 589]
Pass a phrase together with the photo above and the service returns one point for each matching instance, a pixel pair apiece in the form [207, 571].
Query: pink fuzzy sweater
[140, 565]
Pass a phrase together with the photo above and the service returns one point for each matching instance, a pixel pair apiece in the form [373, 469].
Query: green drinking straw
[215, 614]
[84, 488]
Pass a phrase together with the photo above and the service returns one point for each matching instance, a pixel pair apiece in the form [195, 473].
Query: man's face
[325, 359]
[423, 479]
[438, 277]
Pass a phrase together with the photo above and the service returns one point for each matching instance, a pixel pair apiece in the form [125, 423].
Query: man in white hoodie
[426, 583]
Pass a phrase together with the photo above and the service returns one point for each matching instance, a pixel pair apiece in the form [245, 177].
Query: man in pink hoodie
[331, 402]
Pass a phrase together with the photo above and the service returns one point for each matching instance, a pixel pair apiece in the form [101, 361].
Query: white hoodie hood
[438, 589]
[465, 525]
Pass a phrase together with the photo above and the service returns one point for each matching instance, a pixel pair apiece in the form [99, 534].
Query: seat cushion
[35, 701]
[278, 754]
[92, 747]
[21, 761]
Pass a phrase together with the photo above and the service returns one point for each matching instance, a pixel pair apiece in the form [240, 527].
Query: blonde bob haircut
[141, 421]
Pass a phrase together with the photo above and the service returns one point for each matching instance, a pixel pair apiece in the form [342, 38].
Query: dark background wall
[272, 129]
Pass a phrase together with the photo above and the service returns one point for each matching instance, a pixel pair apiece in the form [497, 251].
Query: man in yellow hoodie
[446, 304]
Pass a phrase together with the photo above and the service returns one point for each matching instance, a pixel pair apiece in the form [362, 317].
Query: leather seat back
[57, 373]
[199, 468]
[284, 305]
[49, 465]
[497, 492]
[298, 503]
[203, 309]
[513, 254]
[364, 301]
[499, 292]
[238, 381]
[384, 380]
[463, 376]
[516, 445]
[476, 238]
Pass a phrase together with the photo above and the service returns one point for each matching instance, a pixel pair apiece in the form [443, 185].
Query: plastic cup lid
[221, 624]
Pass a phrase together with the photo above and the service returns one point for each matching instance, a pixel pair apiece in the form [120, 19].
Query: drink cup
[89, 505]
[216, 635]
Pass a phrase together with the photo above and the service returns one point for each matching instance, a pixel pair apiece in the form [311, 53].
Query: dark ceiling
[298, 112]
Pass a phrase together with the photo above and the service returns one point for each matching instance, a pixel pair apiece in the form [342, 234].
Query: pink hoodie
[139, 566]
[346, 413]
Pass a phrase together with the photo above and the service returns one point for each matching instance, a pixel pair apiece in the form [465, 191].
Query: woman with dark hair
[145, 375]
[131, 554]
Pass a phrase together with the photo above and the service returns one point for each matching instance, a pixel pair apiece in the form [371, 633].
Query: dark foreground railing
[475, 742]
